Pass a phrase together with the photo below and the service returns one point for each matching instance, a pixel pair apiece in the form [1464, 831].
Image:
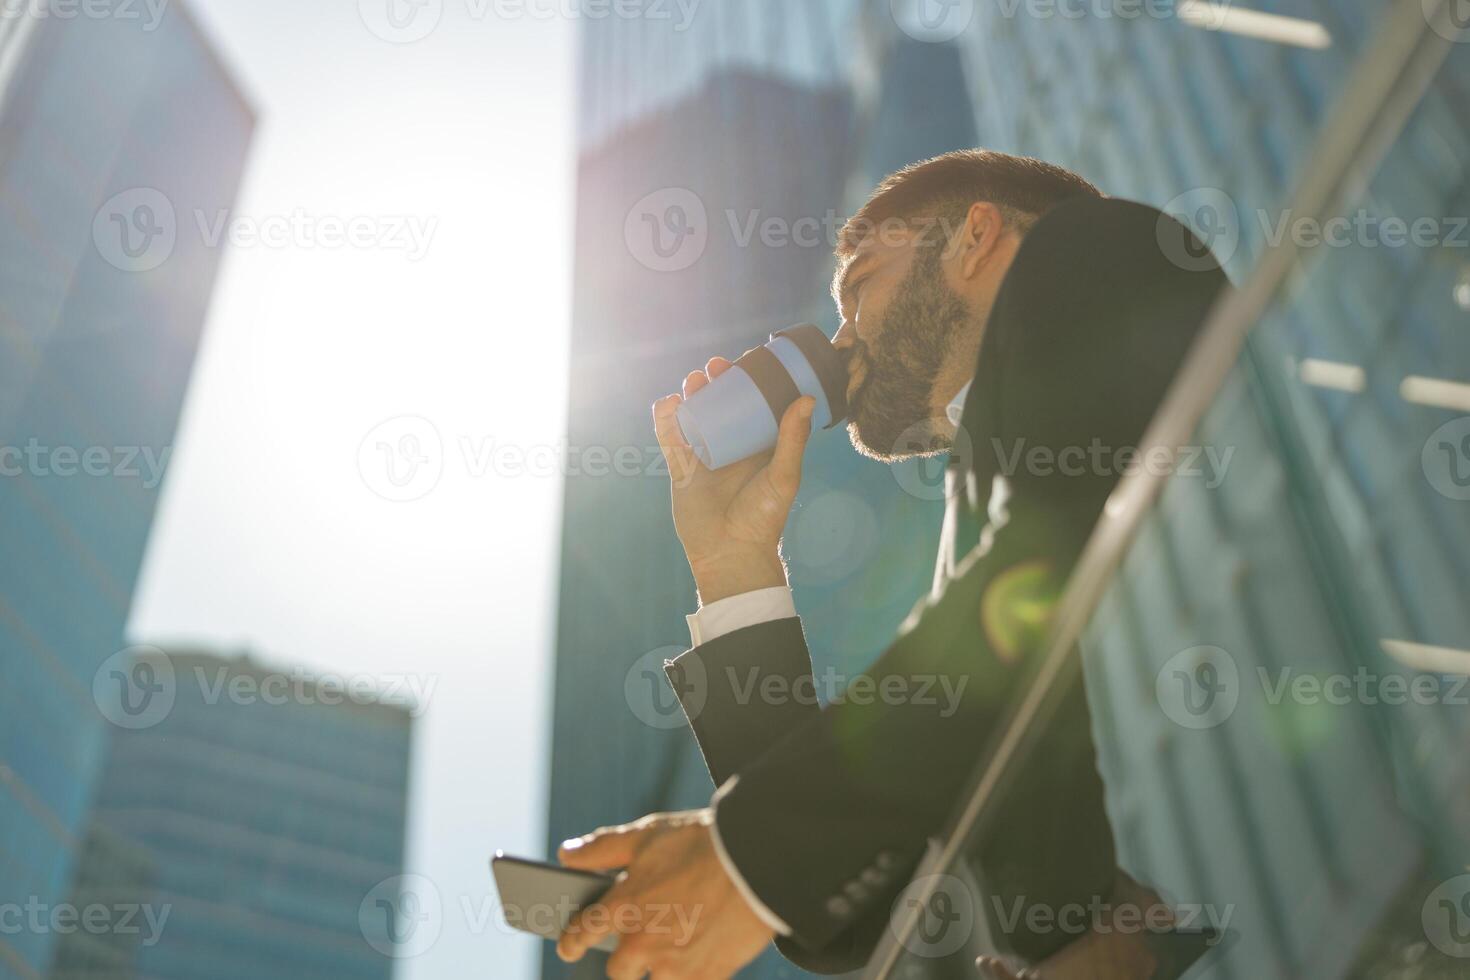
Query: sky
[339, 495]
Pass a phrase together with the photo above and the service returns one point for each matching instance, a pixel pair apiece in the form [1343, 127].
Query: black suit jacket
[833, 806]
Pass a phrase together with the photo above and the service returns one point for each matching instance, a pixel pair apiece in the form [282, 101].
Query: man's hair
[938, 192]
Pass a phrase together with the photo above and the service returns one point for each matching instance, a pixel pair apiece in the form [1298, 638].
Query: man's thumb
[602, 850]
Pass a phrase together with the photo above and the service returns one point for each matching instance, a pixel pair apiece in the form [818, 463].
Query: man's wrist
[722, 617]
[724, 577]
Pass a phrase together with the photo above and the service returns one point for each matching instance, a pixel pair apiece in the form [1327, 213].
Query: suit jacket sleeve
[744, 691]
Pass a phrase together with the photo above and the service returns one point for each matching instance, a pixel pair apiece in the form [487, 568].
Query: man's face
[900, 321]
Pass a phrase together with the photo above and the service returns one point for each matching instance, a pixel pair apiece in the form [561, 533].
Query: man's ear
[978, 237]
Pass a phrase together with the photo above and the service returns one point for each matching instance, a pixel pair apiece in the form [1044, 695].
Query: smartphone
[541, 898]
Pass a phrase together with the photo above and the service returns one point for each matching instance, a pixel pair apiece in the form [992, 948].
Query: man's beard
[891, 415]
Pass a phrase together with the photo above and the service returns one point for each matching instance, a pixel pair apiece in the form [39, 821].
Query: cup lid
[827, 361]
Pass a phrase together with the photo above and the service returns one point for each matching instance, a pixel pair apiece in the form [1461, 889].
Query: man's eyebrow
[843, 282]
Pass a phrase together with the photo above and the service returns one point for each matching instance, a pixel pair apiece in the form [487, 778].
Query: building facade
[1334, 542]
[255, 817]
[115, 127]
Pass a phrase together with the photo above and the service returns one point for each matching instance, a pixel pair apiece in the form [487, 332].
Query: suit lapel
[963, 529]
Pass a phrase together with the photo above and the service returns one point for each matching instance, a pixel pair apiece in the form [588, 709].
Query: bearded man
[992, 306]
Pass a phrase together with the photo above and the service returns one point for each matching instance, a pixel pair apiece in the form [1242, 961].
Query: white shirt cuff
[763, 912]
[739, 611]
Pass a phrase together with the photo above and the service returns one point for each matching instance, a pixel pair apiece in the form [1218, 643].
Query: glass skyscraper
[116, 129]
[258, 815]
[1333, 544]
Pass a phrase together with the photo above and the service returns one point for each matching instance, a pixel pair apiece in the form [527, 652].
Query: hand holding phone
[541, 898]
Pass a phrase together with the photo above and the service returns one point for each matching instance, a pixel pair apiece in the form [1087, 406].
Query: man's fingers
[991, 968]
[616, 913]
[791, 439]
[632, 960]
[677, 454]
[693, 381]
[589, 926]
[592, 924]
[575, 942]
[606, 849]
